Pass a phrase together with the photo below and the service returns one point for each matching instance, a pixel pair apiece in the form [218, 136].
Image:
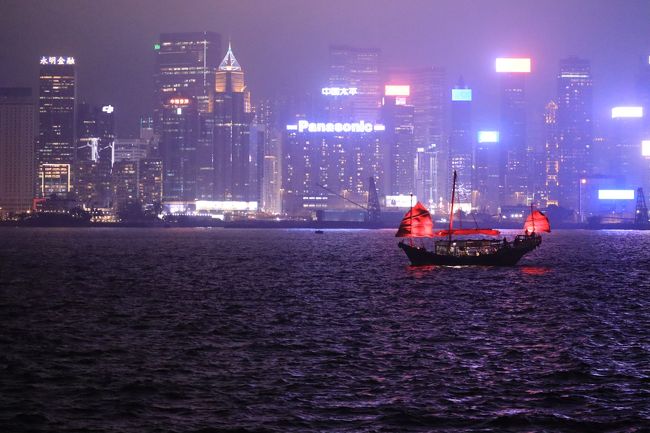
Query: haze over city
[283, 45]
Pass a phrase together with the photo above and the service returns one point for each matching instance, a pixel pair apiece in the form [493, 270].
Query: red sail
[417, 223]
[537, 222]
[461, 232]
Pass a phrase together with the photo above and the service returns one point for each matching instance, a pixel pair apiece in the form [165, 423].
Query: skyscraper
[485, 180]
[624, 147]
[356, 68]
[643, 89]
[232, 120]
[428, 96]
[461, 139]
[399, 144]
[271, 163]
[185, 65]
[178, 141]
[185, 72]
[574, 122]
[553, 155]
[94, 154]
[56, 130]
[17, 138]
[514, 155]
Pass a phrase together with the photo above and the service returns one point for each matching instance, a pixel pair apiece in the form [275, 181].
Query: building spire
[229, 62]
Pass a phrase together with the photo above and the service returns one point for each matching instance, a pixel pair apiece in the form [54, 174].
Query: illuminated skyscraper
[232, 120]
[624, 147]
[428, 97]
[643, 89]
[185, 65]
[400, 149]
[17, 138]
[514, 153]
[485, 180]
[461, 139]
[574, 123]
[56, 138]
[185, 70]
[94, 154]
[271, 159]
[356, 68]
[553, 155]
[178, 140]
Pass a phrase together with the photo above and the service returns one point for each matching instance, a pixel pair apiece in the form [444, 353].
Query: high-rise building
[94, 154]
[485, 180]
[324, 161]
[358, 69]
[553, 155]
[625, 148]
[232, 120]
[271, 163]
[150, 184]
[56, 130]
[515, 154]
[125, 183]
[137, 181]
[428, 95]
[17, 138]
[185, 65]
[461, 140]
[184, 117]
[178, 141]
[574, 122]
[643, 90]
[399, 145]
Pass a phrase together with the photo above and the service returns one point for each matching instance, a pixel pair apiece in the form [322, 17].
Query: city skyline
[283, 63]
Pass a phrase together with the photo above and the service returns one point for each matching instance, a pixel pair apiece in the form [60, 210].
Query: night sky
[282, 44]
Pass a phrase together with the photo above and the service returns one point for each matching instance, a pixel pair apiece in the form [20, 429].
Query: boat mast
[532, 217]
[411, 222]
[451, 212]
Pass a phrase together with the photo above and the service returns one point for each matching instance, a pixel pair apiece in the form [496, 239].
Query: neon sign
[461, 94]
[488, 136]
[508, 64]
[356, 127]
[397, 90]
[402, 200]
[627, 112]
[339, 91]
[179, 101]
[108, 109]
[53, 60]
[615, 194]
[645, 148]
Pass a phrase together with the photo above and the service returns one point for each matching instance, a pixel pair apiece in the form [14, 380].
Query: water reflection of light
[421, 271]
[535, 270]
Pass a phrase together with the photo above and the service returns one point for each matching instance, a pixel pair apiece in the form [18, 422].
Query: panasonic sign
[356, 127]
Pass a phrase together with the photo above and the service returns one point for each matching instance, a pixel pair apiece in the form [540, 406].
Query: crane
[373, 209]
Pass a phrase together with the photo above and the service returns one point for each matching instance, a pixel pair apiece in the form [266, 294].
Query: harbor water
[208, 330]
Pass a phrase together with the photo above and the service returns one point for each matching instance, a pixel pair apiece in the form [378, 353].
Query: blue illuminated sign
[461, 94]
[616, 194]
[488, 136]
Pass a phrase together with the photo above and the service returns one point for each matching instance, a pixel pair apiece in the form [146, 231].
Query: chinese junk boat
[417, 223]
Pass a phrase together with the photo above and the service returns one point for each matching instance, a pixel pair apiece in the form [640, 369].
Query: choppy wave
[213, 330]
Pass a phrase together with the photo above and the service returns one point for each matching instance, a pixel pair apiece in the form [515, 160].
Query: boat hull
[504, 256]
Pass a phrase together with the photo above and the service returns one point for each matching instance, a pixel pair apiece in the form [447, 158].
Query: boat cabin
[470, 247]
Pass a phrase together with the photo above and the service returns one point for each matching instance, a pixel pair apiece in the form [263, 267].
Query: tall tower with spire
[232, 120]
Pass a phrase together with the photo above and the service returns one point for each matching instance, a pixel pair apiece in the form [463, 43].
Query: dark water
[199, 330]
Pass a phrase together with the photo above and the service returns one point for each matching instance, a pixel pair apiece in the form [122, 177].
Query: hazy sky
[282, 44]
